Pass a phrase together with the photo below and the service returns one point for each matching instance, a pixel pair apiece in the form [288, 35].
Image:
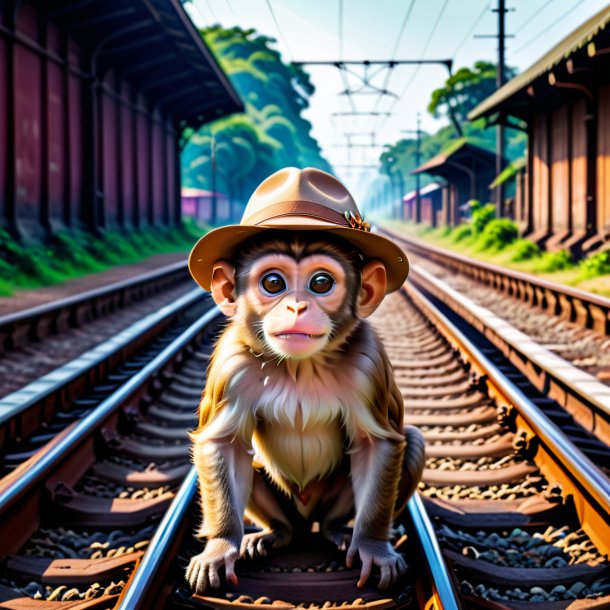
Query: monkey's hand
[380, 553]
[202, 572]
[256, 544]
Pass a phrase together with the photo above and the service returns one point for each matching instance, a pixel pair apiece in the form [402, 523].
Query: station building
[467, 170]
[94, 97]
[563, 101]
[431, 202]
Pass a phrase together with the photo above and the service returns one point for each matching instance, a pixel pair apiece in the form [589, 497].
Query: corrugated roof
[561, 51]
[461, 145]
[430, 188]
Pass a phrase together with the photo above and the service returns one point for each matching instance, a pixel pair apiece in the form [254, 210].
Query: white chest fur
[304, 412]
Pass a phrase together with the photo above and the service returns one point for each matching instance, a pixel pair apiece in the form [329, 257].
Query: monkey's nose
[297, 308]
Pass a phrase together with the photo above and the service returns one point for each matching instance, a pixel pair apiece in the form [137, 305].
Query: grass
[499, 244]
[71, 254]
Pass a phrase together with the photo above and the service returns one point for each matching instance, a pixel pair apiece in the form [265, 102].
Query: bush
[555, 261]
[474, 205]
[72, 253]
[497, 234]
[525, 250]
[596, 264]
[482, 216]
[461, 233]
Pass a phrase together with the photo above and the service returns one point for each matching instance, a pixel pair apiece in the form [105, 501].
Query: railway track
[36, 340]
[512, 513]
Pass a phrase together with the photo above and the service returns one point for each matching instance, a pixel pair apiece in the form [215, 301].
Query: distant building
[563, 101]
[431, 198]
[94, 97]
[467, 169]
[198, 204]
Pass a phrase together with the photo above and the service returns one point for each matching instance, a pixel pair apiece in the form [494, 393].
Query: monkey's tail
[413, 466]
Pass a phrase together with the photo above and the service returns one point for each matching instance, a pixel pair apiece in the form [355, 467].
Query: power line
[402, 28]
[548, 27]
[472, 29]
[279, 29]
[341, 29]
[416, 71]
[537, 12]
[232, 11]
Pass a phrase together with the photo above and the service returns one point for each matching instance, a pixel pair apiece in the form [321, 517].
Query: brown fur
[300, 419]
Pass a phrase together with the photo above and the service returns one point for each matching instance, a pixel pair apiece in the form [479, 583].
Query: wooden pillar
[137, 217]
[44, 218]
[9, 215]
[529, 183]
[68, 204]
[177, 178]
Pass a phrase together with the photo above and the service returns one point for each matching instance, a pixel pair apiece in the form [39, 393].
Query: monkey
[300, 418]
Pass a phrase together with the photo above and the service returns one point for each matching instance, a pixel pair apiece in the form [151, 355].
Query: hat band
[296, 208]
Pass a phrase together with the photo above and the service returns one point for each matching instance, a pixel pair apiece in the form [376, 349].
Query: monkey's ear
[223, 287]
[374, 282]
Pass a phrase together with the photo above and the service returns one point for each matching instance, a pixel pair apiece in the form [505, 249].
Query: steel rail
[26, 322]
[138, 587]
[41, 389]
[445, 595]
[570, 457]
[76, 434]
[580, 384]
[587, 309]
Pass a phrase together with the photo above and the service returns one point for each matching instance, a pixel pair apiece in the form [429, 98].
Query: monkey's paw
[340, 537]
[380, 553]
[202, 572]
[256, 544]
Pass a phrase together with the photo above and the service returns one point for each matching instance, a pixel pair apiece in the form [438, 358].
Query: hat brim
[223, 242]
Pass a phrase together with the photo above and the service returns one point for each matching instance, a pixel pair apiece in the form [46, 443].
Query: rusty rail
[23, 327]
[583, 308]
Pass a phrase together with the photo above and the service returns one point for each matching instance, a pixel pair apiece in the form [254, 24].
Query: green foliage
[596, 264]
[474, 205]
[464, 90]
[482, 216]
[72, 253]
[461, 233]
[555, 261]
[497, 234]
[525, 250]
[270, 135]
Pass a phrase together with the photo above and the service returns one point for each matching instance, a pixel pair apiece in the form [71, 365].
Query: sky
[313, 30]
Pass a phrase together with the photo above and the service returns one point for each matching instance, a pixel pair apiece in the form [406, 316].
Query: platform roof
[155, 47]
[457, 152]
[516, 87]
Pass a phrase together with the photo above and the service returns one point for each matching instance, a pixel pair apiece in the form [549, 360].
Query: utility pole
[500, 80]
[214, 217]
[417, 164]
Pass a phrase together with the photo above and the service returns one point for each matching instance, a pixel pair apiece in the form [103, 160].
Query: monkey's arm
[375, 471]
[224, 468]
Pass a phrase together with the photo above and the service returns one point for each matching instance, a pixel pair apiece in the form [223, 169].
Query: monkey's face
[296, 301]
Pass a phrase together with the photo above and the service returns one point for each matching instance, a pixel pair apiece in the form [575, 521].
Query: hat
[295, 199]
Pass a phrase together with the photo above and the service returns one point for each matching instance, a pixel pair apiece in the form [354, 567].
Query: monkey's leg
[341, 495]
[413, 467]
[267, 513]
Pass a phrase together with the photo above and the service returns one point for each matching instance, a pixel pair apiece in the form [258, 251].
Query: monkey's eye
[272, 284]
[321, 283]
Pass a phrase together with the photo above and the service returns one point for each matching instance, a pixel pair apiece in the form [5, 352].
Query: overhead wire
[279, 29]
[532, 16]
[470, 32]
[439, 16]
[548, 27]
[386, 81]
[232, 11]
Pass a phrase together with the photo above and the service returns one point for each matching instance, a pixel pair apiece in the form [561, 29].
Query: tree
[464, 90]
[271, 134]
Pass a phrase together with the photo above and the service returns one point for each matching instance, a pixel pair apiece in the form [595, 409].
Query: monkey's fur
[300, 407]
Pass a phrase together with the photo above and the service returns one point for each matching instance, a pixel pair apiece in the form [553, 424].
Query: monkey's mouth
[297, 336]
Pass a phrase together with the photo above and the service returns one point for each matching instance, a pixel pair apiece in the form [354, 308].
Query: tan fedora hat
[300, 200]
